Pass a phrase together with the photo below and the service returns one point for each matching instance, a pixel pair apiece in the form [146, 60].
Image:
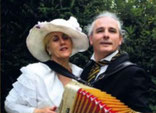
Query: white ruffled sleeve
[22, 97]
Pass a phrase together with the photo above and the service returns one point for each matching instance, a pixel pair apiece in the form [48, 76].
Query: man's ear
[121, 40]
[91, 39]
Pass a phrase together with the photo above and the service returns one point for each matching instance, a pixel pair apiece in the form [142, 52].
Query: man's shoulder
[132, 66]
[126, 68]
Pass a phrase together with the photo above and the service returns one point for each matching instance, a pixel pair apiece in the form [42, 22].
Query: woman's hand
[45, 110]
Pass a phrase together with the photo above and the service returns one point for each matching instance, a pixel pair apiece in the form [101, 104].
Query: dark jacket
[130, 85]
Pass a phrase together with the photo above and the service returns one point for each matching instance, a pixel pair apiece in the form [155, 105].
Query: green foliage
[19, 16]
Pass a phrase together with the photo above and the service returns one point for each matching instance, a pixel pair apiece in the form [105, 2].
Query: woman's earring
[49, 53]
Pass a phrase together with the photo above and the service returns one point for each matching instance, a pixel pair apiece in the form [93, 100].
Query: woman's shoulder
[36, 68]
[76, 70]
[75, 66]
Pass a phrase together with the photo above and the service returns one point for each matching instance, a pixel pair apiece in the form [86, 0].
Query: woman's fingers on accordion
[46, 110]
[54, 108]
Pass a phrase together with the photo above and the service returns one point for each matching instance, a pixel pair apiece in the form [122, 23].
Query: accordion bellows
[79, 98]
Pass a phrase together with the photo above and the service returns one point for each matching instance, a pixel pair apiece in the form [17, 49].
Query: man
[117, 75]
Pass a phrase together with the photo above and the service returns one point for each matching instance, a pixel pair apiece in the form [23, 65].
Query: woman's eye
[55, 38]
[65, 37]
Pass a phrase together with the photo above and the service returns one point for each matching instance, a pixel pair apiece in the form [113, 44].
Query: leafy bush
[19, 16]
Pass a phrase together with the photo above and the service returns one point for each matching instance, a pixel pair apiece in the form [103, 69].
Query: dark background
[18, 16]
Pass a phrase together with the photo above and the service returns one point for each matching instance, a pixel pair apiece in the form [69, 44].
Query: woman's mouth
[63, 48]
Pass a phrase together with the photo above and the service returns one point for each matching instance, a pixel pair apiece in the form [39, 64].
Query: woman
[39, 89]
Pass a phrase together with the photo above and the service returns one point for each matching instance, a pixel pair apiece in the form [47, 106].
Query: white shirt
[108, 58]
[38, 86]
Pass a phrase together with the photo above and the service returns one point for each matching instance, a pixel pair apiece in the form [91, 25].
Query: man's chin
[107, 51]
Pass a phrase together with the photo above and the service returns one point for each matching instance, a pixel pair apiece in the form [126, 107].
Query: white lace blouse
[37, 87]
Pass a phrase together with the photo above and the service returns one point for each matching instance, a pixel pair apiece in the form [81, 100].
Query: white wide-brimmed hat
[70, 27]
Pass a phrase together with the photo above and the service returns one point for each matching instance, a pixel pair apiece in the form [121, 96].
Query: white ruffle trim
[26, 90]
[25, 86]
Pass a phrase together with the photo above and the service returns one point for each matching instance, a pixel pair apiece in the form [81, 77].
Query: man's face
[106, 37]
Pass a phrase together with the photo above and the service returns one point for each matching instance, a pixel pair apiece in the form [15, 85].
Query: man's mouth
[106, 43]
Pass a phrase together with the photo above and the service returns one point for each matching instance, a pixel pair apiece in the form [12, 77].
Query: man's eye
[99, 30]
[112, 30]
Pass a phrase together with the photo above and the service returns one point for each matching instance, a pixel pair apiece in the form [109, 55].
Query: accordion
[79, 98]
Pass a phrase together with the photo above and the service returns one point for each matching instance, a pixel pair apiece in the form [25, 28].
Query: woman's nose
[62, 41]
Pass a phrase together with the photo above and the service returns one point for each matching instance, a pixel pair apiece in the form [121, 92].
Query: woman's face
[59, 45]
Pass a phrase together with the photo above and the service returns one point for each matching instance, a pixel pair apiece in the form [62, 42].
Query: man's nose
[106, 34]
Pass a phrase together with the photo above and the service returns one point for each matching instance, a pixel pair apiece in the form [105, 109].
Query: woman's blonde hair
[46, 42]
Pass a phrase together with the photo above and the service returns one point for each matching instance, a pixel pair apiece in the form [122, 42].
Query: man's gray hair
[107, 14]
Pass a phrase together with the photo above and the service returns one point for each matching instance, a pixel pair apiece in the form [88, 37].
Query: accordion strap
[63, 71]
[115, 70]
